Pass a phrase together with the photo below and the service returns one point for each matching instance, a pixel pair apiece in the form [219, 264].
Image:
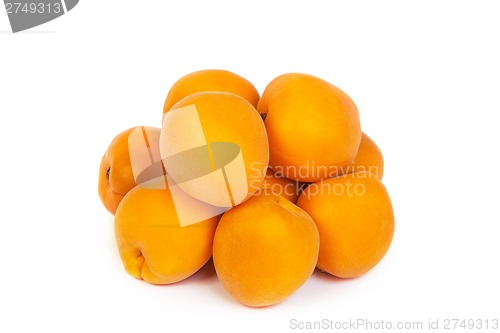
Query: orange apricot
[369, 158]
[355, 221]
[211, 80]
[214, 146]
[265, 249]
[313, 127]
[132, 157]
[288, 188]
[153, 243]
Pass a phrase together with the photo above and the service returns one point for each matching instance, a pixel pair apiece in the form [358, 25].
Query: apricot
[369, 158]
[211, 80]
[265, 249]
[355, 220]
[214, 146]
[153, 244]
[288, 188]
[132, 157]
[313, 127]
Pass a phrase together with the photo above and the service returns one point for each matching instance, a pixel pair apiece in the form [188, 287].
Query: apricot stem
[107, 173]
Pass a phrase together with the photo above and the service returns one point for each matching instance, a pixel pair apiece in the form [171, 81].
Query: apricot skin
[211, 80]
[153, 245]
[224, 118]
[313, 127]
[116, 176]
[288, 188]
[355, 220]
[265, 249]
[369, 158]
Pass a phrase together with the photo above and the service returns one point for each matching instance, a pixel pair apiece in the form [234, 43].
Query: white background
[424, 74]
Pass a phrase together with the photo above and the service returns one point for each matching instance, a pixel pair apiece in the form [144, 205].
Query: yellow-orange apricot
[153, 244]
[214, 145]
[313, 127]
[211, 80]
[132, 157]
[369, 158]
[355, 221]
[288, 188]
[265, 249]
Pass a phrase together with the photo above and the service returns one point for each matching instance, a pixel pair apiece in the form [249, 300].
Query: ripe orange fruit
[211, 80]
[265, 249]
[313, 127]
[133, 157]
[288, 188]
[152, 243]
[355, 220]
[214, 145]
[369, 158]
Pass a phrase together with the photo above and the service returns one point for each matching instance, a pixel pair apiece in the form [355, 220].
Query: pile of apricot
[271, 187]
